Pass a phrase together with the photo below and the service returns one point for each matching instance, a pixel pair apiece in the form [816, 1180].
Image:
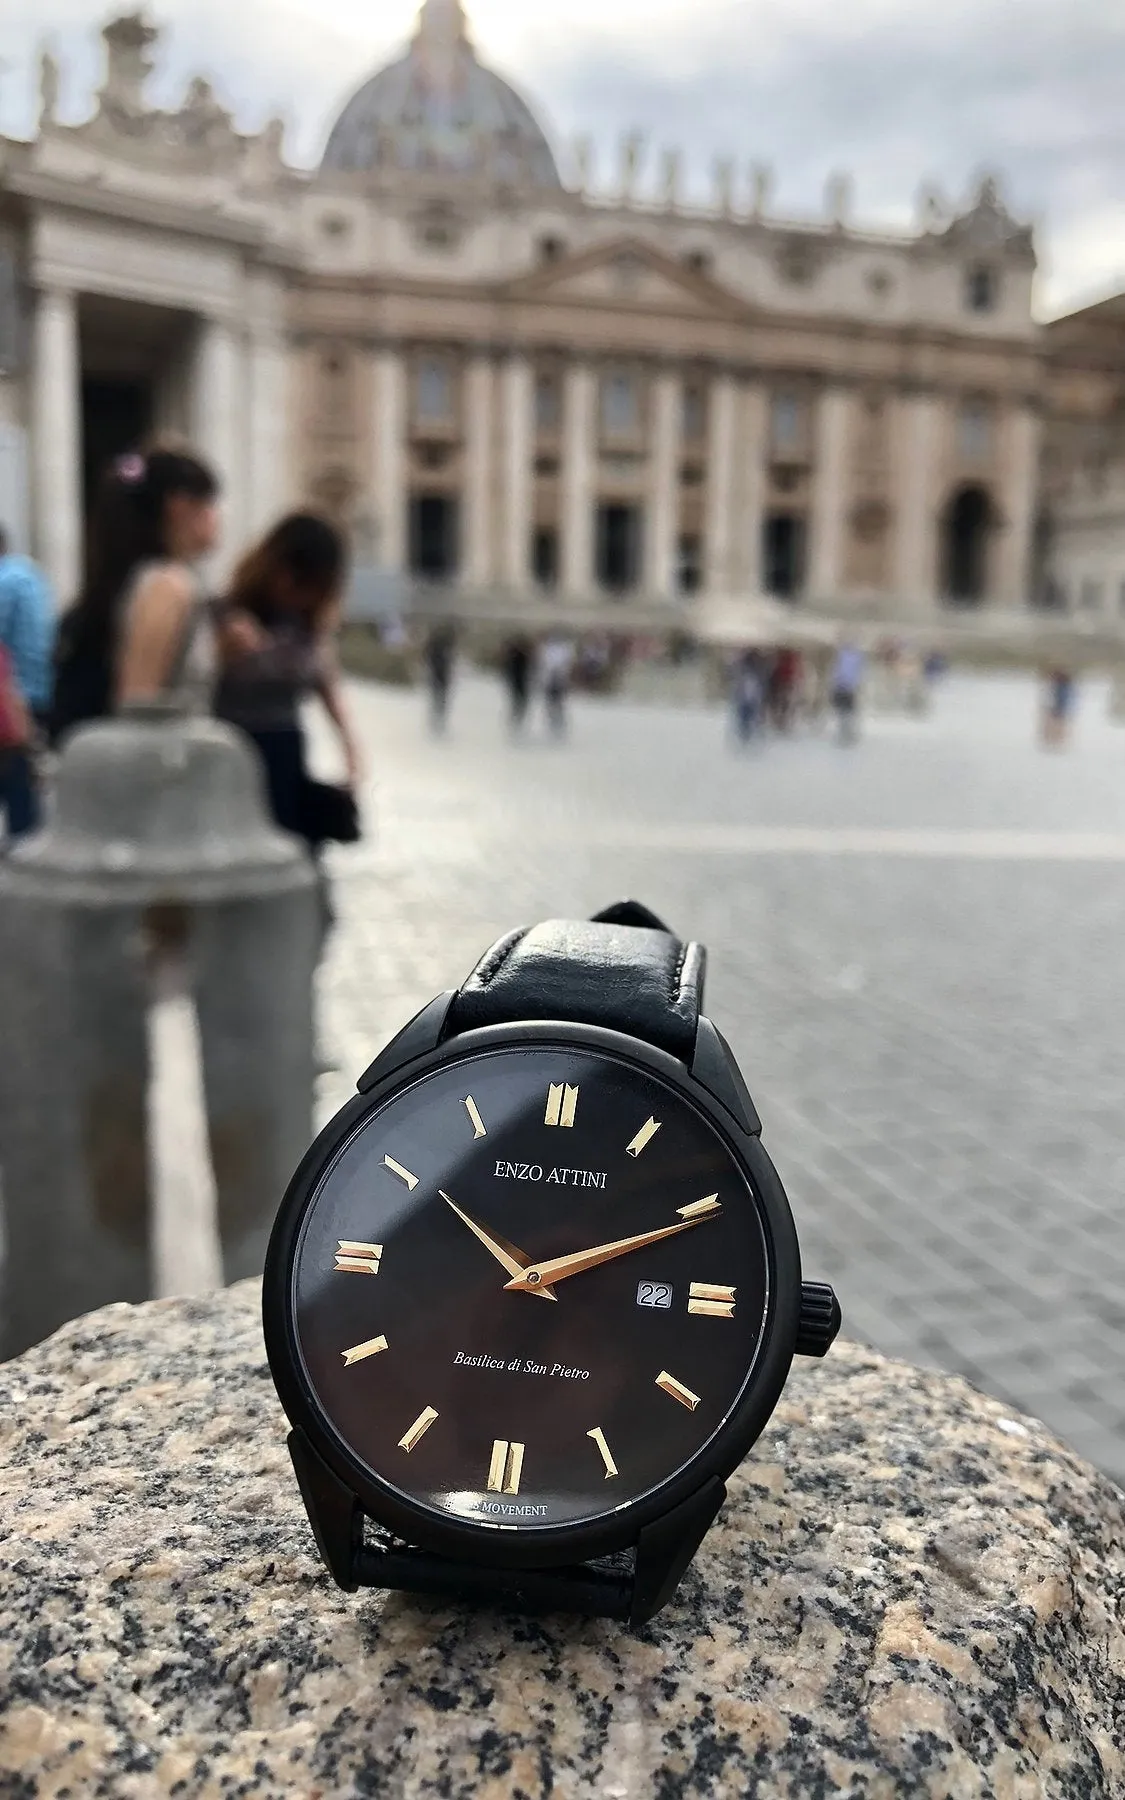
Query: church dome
[438, 108]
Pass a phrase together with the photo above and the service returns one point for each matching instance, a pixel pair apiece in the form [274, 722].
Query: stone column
[718, 575]
[519, 452]
[56, 434]
[579, 408]
[390, 458]
[218, 414]
[268, 474]
[916, 448]
[830, 495]
[479, 557]
[1011, 583]
[755, 445]
[662, 536]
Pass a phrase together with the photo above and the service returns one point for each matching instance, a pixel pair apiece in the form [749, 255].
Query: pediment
[627, 274]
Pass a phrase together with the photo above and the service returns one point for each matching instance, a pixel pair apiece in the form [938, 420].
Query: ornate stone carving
[671, 173]
[202, 122]
[129, 42]
[724, 185]
[48, 89]
[838, 198]
[761, 188]
[987, 228]
[632, 149]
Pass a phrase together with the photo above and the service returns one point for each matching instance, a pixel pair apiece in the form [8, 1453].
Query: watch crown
[820, 1319]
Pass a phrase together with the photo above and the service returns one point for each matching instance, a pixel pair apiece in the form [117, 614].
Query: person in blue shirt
[27, 632]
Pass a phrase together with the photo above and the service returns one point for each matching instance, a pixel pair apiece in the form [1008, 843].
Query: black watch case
[338, 1490]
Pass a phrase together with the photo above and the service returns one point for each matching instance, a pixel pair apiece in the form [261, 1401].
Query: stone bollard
[910, 1592]
[158, 874]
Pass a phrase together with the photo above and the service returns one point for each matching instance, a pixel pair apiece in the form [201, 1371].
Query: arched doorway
[966, 536]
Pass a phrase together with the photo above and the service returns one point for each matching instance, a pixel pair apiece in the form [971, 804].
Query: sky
[895, 92]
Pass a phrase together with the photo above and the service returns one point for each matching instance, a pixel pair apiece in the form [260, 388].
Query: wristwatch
[534, 1293]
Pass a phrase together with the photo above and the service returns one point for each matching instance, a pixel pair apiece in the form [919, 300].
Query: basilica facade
[511, 383]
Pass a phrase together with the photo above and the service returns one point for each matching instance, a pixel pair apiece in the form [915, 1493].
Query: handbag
[15, 720]
[330, 814]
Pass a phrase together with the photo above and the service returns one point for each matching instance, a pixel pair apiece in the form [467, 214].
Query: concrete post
[159, 855]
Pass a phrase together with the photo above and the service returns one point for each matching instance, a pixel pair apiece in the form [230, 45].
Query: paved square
[915, 951]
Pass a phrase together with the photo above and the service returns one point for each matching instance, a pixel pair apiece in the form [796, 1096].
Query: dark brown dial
[531, 1288]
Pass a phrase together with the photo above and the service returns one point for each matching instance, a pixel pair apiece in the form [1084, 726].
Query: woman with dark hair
[277, 626]
[140, 628]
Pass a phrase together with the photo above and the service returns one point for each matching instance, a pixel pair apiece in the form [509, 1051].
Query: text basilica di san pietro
[506, 382]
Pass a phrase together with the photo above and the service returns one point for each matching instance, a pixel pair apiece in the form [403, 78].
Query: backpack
[83, 685]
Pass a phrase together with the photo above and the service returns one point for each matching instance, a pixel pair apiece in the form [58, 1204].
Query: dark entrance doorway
[545, 556]
[966, 531]
[619, 547]
[783, 555]
[117, 416]
[433, 536]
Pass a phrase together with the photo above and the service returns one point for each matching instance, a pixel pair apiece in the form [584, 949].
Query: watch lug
[334, 1512]
[423, 1034]
[666, 1547]
[715, 1068]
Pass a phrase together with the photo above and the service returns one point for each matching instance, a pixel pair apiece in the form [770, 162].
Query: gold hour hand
[509, 1256]
[561, 1268]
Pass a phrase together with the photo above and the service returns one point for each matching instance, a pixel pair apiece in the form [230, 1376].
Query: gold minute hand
[560, 1268]
[509, 1256]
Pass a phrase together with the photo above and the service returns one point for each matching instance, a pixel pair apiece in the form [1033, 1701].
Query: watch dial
[531, 1287]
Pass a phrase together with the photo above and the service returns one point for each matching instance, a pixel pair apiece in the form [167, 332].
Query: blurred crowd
[146, 632]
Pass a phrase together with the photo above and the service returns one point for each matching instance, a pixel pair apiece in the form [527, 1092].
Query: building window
[546, 404]
[786, 424]
[620, 406]
[435, 393]
[690, 560]
[1090, 595]
[981, 289]
[545, 556]
[700, 262]
[879, 283]
[974, 431]
[335, 225]
[551, 249]
[694, 415]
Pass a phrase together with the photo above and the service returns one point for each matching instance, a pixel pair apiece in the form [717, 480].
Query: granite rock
[909, 1592]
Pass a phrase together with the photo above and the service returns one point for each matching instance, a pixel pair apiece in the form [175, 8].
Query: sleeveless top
[189, 684]
[262, 690]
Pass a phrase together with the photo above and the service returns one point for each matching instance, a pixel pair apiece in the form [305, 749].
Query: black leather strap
[585, 1589]
[622, 969]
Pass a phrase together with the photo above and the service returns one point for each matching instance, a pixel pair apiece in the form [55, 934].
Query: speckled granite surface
[908, 1593]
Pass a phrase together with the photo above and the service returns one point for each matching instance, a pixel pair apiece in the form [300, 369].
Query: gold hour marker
[677, 1390]
[562, 1104]
[644, 1137]
[698, 1208]
[713, 1302]
[396, 1168]
[479, 1128]
[598, 1436]
[418, 1430]
[358, 1259]
[506, 1467]
[363, 1351]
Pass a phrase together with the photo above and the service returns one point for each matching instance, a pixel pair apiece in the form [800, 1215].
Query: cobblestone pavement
[915, 951]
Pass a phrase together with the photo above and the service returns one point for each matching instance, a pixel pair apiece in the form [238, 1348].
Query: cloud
[892, 90]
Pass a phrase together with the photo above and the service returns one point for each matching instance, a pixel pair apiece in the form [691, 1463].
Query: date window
[655, 1293]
